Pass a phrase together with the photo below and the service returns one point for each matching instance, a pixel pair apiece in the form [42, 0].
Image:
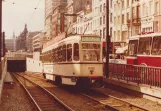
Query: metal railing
[2, 66]
[138, 74]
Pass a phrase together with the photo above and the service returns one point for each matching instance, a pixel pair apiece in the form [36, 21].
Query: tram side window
[144, 46]
[156, 48]
[53, 57]
[60, 54]
[133, 45]
[76, 52]
[69, 52]
[56, 55]
[50, 56]
[64, 53]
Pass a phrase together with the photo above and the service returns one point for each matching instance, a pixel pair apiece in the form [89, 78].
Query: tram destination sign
[91, 39]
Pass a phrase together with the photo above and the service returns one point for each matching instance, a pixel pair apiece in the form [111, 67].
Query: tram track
[42, 98]
[69, 92]
[111, 102]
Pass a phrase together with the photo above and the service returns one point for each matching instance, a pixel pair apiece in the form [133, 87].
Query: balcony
[135, 21]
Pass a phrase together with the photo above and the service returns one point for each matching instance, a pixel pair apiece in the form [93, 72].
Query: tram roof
[145, 35]
[70, 38]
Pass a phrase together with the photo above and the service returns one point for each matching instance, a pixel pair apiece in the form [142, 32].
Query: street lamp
[107, 40]
[1, 30]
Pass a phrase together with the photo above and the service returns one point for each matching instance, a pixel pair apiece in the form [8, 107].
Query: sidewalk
[2, 80]
[145, 89]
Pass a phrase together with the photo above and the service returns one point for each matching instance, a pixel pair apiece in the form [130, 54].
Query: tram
[145, 50]
[74, 60]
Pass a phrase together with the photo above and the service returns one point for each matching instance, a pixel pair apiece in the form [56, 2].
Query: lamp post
[4, 46]
[107, 40]
[0, 30]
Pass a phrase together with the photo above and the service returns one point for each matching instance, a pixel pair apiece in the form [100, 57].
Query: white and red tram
[74, 60]
[145, 50]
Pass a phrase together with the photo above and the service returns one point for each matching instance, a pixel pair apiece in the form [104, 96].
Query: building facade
[58, 20]
[37, 42]
[11, 44]
[124, 20]
[29, 43]
[21, 39]
[50, 5]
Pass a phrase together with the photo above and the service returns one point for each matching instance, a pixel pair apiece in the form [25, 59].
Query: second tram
[145, 50]
[74, 60]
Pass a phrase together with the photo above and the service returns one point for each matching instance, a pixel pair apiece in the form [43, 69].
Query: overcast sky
[18, 12]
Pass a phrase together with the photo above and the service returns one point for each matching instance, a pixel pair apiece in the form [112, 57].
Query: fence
[138, 74]
[2, 65]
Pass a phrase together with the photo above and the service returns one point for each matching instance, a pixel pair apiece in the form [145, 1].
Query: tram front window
[133, 45]
[91, 52]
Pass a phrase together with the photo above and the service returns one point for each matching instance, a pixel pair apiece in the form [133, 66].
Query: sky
[15, 13]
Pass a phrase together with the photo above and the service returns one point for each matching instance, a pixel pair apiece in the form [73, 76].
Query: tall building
[29, 43]
[99, 18]
[124, 20]
[37, 42]
[150, 16]
[50, 5]
[58, 20]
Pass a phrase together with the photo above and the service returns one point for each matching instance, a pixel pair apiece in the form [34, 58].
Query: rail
[138, 74]
[42, 98]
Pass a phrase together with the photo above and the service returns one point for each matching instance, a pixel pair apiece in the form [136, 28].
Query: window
[91, 52]
[60, 54]
[111, 3]
[100, 20]
[133, 45]
[100, 8]
[104, 18]
[123, 4]
[56, 55]
[156, 48]
[127, 3]
[157, 8]
[138, 12]
[104, 33]
[114, 20]
[128, 16]
[100, 33]
[119, 20]
[104, 7]
[69, 52]
[76, 52]
[144, 46]
[64, 53]
[122, 18]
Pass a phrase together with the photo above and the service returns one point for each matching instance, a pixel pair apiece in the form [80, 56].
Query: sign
[91, 39]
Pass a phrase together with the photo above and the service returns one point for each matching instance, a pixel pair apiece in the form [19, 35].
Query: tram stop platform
[147, 91]
[8, 81]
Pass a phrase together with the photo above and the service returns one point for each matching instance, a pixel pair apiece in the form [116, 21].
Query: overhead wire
[34, 12]
[35, 8]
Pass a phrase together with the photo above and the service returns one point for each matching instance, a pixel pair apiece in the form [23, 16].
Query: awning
[121, 50]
